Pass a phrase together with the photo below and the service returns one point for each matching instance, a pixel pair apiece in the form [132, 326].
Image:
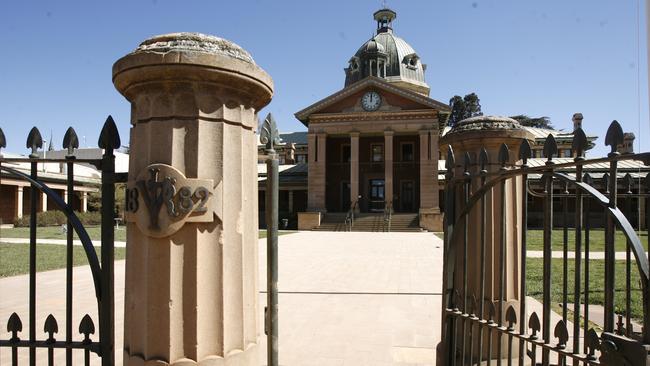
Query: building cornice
[421, 114]
[306, 115]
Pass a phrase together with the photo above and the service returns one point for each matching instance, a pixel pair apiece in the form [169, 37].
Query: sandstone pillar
[316, 172]
[388, 166]
[84, 201]
[430, 216]
[19, 201]
[642, 212]
[470, 136]
[191, 267]
[290, 193]
[43, 202]
[354, 169]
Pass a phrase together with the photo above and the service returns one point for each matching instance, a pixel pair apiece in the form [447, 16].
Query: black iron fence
[101, 270]
[486, 317]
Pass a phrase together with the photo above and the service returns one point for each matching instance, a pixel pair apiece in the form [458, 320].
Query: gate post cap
[175, 57]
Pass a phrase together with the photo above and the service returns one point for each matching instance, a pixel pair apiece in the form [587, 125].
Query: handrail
[349, 217]
[388, 214]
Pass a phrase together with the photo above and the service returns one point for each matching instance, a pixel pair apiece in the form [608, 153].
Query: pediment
[347, 100]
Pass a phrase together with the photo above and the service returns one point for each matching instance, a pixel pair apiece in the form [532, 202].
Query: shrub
[21, 221]
[90, 218]
[58, 218]
[50, 218]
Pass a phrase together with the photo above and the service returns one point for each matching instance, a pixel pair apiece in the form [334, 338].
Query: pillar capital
[355, 134]
[227, 80]
[389, 133]
[424, 132]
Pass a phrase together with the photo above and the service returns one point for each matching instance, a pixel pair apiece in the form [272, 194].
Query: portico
[373, 161]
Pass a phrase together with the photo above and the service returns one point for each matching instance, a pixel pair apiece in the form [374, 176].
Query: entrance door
[407, 196]
[376, 196]
[345, 196]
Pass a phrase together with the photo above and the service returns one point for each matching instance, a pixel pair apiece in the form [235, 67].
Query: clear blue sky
[542, 58]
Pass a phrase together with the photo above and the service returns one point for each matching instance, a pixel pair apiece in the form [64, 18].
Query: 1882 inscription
[161, 200]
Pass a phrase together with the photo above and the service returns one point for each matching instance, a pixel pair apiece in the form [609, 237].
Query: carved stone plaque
[161, 200]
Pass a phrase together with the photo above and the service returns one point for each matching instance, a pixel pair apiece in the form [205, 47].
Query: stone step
[371, 222]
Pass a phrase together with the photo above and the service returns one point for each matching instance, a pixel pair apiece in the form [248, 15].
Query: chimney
[577, 121]
[627, 147]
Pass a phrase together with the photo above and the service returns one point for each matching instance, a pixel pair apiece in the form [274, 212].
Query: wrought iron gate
[474, 322]
[102, 271]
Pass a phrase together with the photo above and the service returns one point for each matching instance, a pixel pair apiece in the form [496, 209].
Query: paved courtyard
[345, 299]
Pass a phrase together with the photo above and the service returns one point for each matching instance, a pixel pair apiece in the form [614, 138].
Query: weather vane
[383, 2]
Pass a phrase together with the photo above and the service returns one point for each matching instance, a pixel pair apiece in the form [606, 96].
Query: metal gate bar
[102, 275]
[618, 344]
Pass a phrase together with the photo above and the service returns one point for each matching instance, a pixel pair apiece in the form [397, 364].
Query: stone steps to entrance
[370, 222]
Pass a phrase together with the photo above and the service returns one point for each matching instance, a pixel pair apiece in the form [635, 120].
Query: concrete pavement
[345, 299]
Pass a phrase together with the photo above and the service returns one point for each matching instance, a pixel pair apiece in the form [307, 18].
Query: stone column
[19, 201]
[642, 207]
[290, 200]
[430, 216]
[191, 269]
[84, 201]
[43, 202]
[354, 169]
[388, 165]
[433, 166]
[471, 135]
[316, 172]
[426, 178]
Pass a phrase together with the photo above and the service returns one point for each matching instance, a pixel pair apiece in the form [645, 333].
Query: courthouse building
[374, 144]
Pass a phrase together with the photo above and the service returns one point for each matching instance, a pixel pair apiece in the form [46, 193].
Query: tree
[95, 200]
[538, 122]
[462, 108]
[472, 105]
[457, 105]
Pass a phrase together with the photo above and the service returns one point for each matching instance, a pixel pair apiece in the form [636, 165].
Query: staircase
[371, 222]
[405, 222]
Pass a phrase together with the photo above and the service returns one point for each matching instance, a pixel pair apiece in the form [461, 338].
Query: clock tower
[373, 145]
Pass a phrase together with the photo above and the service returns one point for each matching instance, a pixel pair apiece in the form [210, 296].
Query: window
[354, 64]
[377, 153]
[411, 61]
[567, 153]
[301, 158]
[346, 153]
[407, 151]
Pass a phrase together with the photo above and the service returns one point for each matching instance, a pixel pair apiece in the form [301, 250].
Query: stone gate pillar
[470, 136]
[192, 223]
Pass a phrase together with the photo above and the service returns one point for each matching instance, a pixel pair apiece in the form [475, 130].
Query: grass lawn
[54, 232]
[596, 240]
[535, 278]
[14, 258]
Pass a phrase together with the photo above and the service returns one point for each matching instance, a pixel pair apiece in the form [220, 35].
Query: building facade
[373, 145]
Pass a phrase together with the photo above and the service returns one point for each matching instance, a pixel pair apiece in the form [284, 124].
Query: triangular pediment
[347, 100]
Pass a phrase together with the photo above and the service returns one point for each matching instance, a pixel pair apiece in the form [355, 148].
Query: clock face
[371, 101]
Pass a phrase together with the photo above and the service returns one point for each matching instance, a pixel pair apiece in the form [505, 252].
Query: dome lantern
[384, 18]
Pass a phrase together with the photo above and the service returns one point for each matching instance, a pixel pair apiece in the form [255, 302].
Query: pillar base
[248, 357]
[431, 219]
[309, 220]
